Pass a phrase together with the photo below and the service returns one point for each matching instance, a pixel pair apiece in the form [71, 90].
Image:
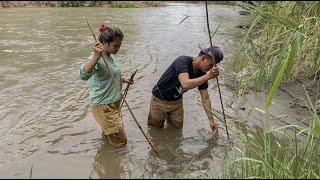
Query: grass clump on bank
[281, 31]
[275, 152]
[281, 44]
[284, 152]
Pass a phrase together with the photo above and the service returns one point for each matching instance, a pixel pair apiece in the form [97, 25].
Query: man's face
[207, 63]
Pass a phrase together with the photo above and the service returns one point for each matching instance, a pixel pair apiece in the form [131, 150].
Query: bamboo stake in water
[224, 116]
[115, 82]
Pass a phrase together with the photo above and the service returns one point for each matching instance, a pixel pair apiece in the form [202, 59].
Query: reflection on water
[44, 111]
[107, 162]
[167, 141]
[185, 155]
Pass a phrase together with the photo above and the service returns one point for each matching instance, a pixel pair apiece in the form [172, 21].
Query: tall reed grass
[273, 152]
[282, 32]
[281, 44]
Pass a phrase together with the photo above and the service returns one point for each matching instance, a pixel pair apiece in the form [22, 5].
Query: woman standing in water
[105, 98]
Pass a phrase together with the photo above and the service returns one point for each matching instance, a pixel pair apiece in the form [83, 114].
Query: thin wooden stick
[224, 116]
[115, 82]
[126, 91]
[127, 88]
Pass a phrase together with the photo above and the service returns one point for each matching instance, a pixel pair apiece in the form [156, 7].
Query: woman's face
[113, 47]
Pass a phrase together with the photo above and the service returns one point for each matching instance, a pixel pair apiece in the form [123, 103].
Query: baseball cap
[217, 53]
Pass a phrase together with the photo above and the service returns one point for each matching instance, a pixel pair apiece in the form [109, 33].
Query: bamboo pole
[224, 116]
[115, 82]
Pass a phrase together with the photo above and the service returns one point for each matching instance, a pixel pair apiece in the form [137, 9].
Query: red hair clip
[102, 27]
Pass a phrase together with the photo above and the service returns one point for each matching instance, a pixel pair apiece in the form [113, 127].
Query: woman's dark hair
[109, 33]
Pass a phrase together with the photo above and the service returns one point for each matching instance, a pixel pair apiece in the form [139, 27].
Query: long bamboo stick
[224, 116]
[115, 82]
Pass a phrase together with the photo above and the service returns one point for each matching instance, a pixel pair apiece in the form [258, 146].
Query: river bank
[105, 4]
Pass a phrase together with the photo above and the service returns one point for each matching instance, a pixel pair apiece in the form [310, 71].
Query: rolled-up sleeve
[83, 74]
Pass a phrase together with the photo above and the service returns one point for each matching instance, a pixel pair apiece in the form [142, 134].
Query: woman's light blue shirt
[102, 89]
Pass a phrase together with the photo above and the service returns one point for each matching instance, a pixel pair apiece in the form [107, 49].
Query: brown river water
[45, 117]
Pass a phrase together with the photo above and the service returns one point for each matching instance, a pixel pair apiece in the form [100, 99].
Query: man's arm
[207, 103]
[188, 84]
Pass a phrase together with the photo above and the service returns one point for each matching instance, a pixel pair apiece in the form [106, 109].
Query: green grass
[275, 30]
[274, 152]
[281, 44]
[30, 172]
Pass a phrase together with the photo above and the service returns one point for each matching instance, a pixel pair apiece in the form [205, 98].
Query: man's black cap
[218, 55]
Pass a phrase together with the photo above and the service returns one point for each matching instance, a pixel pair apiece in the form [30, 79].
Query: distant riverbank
[109, 4]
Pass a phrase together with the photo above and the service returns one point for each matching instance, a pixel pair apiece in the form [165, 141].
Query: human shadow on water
[107, 162]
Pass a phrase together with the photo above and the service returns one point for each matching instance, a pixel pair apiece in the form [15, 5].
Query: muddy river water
[45, 117]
